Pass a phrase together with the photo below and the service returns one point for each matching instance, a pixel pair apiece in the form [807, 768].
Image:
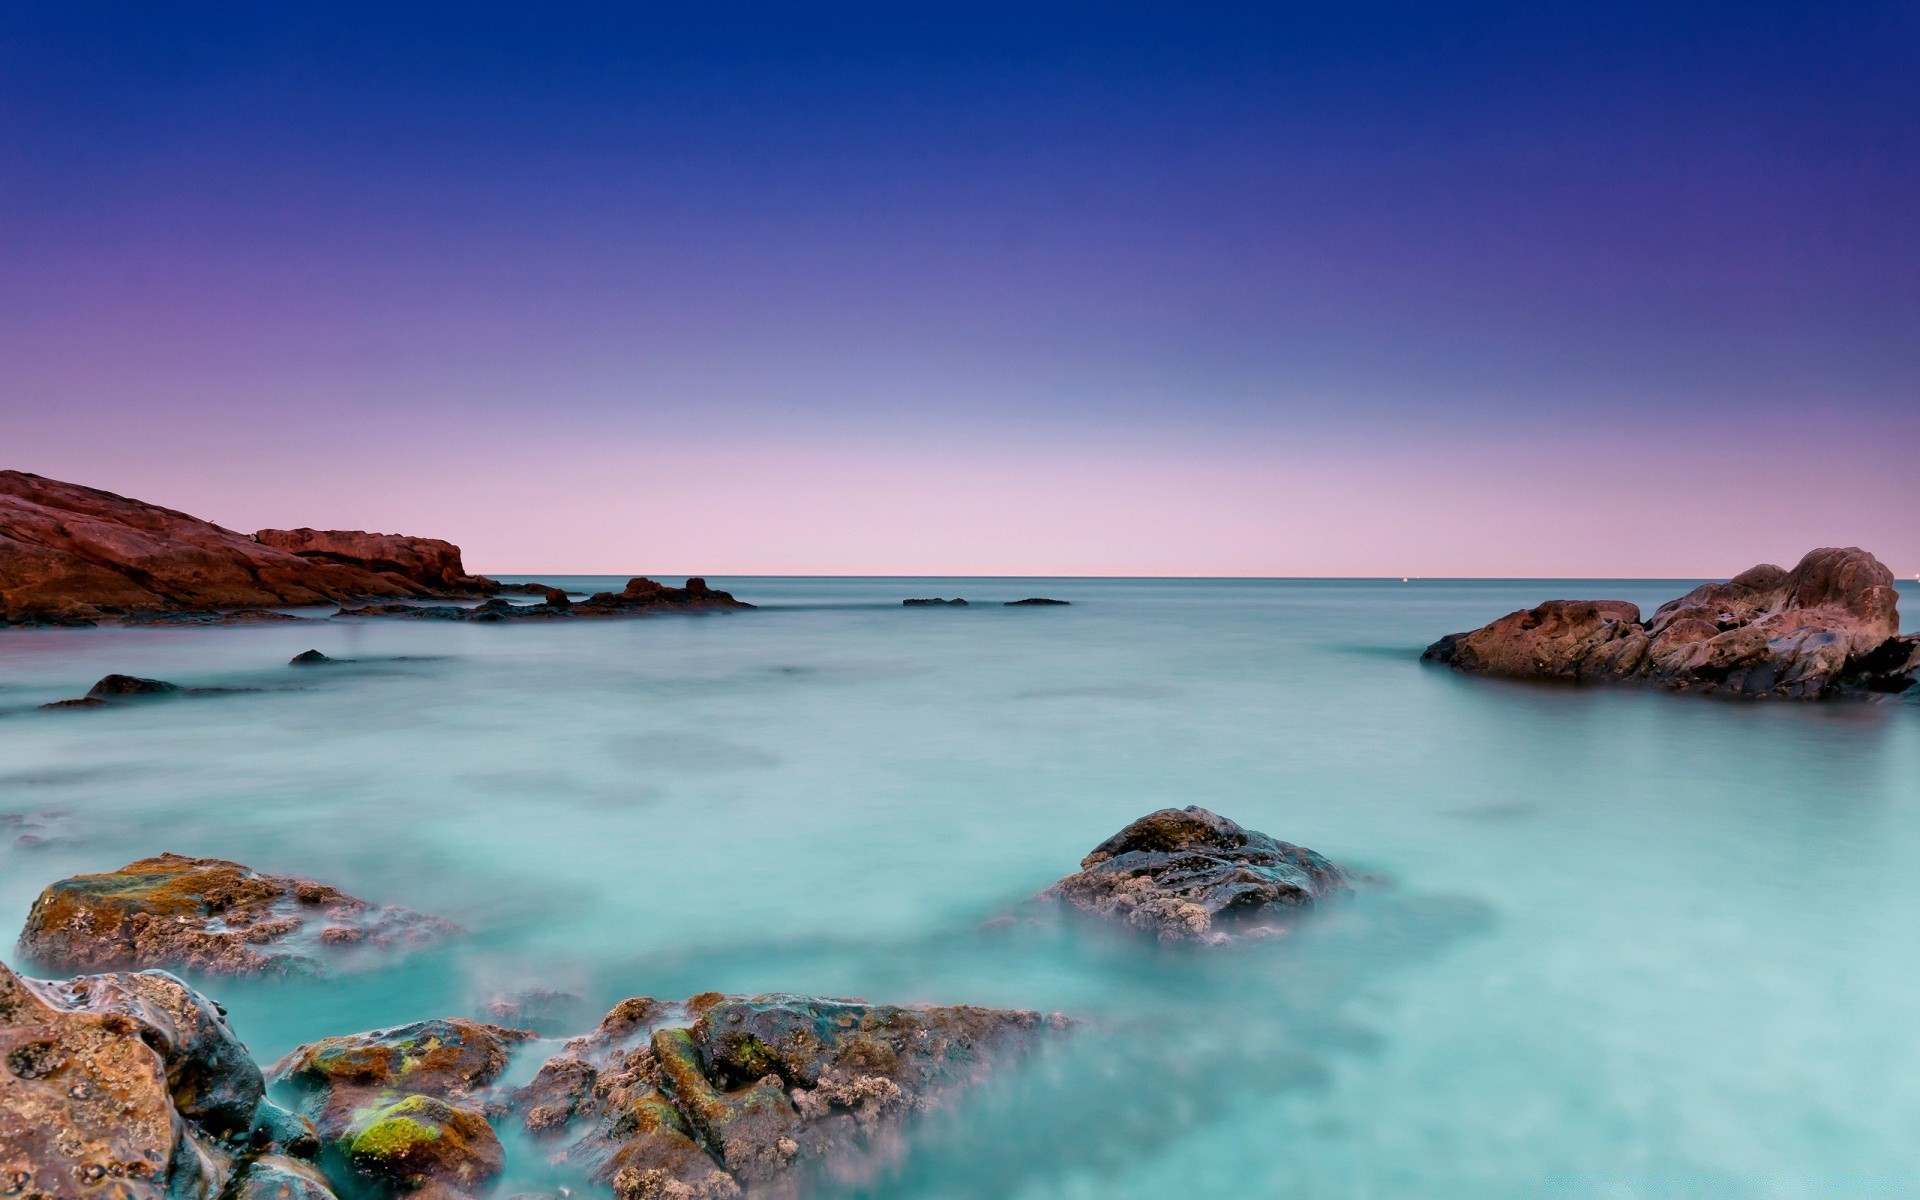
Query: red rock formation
[77, 554]
[1827, 626]
[429, 562]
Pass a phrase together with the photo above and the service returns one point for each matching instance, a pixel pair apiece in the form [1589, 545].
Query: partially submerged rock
[721, 1094]
[933, 602]
[210, 915]
[1035, 601]
[311, 658]
[1192, 875]
[404, 1109]
[640, 597]
[133, 1087]
[1830, 625]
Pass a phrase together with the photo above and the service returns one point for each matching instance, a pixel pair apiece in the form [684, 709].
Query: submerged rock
[1034, 600]
[1828, 626]
[721, 1094]
[404, 1108]
[133, 1087]
[933, 602]
[1192, 875]
[210, 915]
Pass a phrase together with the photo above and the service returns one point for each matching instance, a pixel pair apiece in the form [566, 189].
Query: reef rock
[1830, 625]
[1187, 874]
[78, 555]
[210, 915]
[133, 1087]
[641, 597]
[718, 1095]
[405, 1108]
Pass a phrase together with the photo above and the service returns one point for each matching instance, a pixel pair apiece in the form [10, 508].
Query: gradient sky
[1341, 289]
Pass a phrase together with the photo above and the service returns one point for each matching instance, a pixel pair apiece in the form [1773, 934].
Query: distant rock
[1192, 875]
[934, 602]
[405, 1108]
[310, 658]
[641, 597]
[1827, 627]
[131, 685]
[78, 555]
[133, 1087]
[210, 915]
[1034, 600]
[724, 1095]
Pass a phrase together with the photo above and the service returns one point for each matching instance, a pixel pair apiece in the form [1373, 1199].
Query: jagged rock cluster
[641, 596]
[1829, 626]
[210, 915]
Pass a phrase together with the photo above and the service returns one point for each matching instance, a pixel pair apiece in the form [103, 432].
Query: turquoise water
[1625, 943]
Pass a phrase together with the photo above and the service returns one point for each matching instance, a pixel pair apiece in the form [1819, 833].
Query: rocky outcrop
[1830, 625]
[429, 562]
[933, 602]
[641, 597]
[133, 1087]
[724, 1094]
[210, 915]
[78, 555]
[1186, 874]
[405, 1108]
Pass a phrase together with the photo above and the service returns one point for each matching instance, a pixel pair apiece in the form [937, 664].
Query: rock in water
[211, 915]
[723, 1093]
[1187, 874]
[933, 602]
[78, 555]
[1034, 602]
[310, 658]
[133, 1087]
[130, 685]
[404, 1107]
[1828, 626]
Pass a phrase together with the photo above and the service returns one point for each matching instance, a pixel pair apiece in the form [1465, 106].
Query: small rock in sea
[406, 1108]
[721, 1095]
[117, 687]
[1034, 601]
[934, 602]
[32, 831]
[142, 1072]
[208, 914]
[1829, 626]
[555, 598]
[310, 658]
[1192, 875]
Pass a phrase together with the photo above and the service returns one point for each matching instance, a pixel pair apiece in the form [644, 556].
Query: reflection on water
[1638, 945]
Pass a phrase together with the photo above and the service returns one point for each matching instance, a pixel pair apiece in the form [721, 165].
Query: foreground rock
[404, 1109]
[725, 1094]
[77, 555]
[1829, 626]
[133, 1087]
[641, 597]
[1192, 875]
[209, 914]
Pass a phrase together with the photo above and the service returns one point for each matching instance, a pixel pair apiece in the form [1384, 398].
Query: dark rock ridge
[78, 555]
[405, 1109]
[1034, 601]
[641, 597]
[724, 1094]
[1827, 627]
[212, 915]
[133, 1087]
[933, 602]
[1187, 874]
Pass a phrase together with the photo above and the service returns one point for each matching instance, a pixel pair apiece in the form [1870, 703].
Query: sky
[1527, 289]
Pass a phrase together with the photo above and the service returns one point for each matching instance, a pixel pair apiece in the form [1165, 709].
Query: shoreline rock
[74, 555]
[1192, 875]
[133, 1086]
[641, 597]
[212, 915]
[1829, 626]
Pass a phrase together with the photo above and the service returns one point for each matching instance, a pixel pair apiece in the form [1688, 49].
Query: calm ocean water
[1626, 943]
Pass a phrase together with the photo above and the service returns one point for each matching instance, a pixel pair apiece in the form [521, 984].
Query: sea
[1611, 942]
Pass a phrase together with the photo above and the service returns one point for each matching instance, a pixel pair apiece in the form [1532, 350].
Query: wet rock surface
[77, 555]
[1193, 875]
[210, 915]
[641, 597]
[132, 1086]
[721, 1095]
[404, 1110]
[1829, 626]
